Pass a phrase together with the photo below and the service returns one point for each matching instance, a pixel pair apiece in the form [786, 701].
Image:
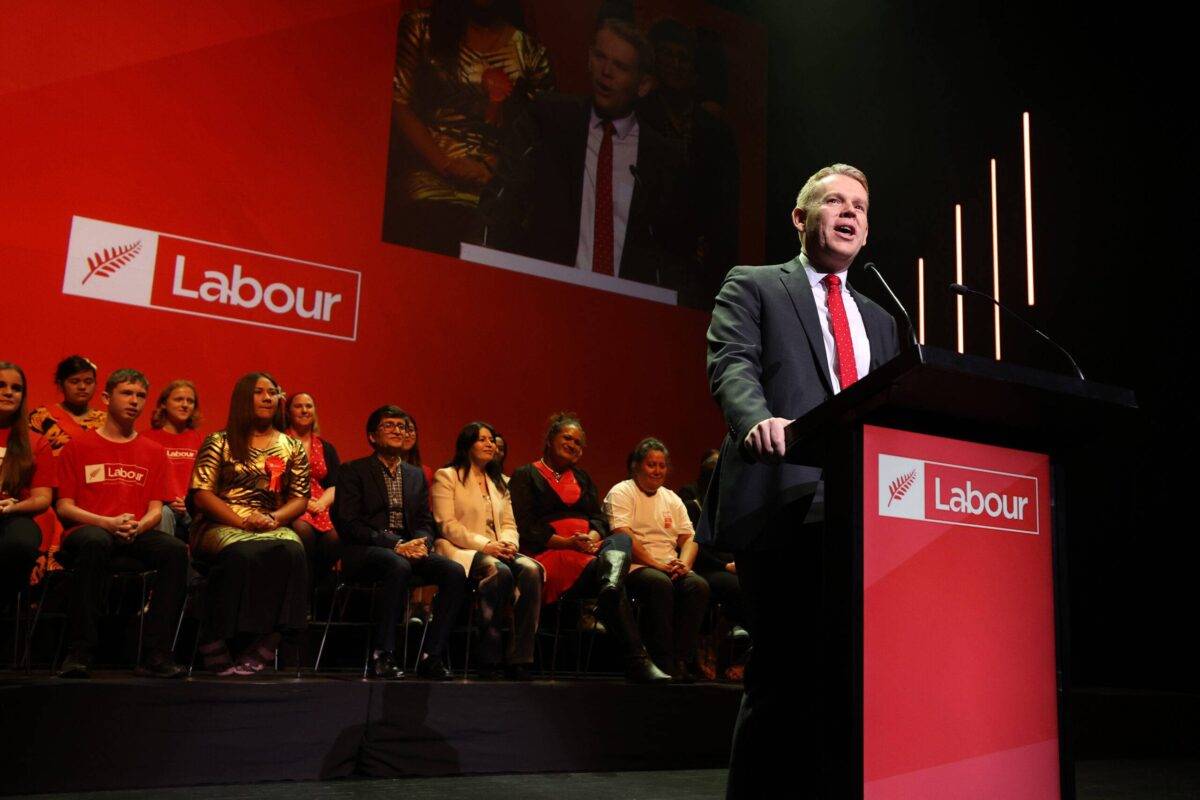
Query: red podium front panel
[959, 689]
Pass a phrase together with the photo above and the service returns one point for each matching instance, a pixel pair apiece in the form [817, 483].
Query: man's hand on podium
[766, 441]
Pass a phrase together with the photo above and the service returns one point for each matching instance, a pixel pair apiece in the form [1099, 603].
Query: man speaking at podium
[783, 339]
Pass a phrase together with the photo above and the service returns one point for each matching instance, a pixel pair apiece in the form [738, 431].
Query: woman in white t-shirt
[673, 597]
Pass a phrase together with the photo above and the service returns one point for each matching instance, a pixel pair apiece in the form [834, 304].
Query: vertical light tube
[958, 273]
[995, 263]
[921, 300]
[1028, 211]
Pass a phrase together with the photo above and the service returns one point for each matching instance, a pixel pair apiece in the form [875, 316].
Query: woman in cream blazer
[473, 511]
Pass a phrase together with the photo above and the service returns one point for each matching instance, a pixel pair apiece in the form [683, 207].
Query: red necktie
[602, 230]
[847, 367]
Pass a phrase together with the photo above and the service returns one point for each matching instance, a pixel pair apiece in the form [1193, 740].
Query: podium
[944, 630]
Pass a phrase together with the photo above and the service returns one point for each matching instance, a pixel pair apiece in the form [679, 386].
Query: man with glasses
[381, 511]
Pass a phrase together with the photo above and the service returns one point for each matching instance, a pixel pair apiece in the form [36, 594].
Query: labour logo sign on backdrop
[106, 261]
[910, 488]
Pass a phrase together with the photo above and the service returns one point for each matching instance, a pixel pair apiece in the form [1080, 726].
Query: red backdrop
[264, 126]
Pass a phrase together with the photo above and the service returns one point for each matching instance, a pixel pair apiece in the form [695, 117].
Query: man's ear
[106, 398]
[798, 217]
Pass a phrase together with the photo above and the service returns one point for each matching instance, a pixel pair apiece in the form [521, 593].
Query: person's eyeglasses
[402, 427]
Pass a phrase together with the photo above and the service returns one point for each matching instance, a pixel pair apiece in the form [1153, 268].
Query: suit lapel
[576, 157]
[795, 281]
[376, 470]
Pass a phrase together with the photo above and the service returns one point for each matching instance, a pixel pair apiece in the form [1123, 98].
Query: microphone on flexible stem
[912, 331]
[500, 193]
[963, 291]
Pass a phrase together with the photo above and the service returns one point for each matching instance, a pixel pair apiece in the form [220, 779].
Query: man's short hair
[809, 190]
[632, 35]
[382, 413]
[125, 375]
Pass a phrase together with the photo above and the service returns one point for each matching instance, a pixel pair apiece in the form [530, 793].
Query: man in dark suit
[583, 183]
[381, 511]
[783, 339]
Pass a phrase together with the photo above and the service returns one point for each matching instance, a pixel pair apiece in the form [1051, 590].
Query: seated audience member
[410, 450]
[474, 514]
[110, 485]
[27, 478]
[173, 425]
[315, 526]
[382, 513]
[673, 597]
[563, 527]
[75, 377]
[249, 485]
[71, 417]
[501, 454]
[715, 566]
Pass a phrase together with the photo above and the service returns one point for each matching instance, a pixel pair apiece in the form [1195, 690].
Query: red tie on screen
[602, 230]
[846, 365]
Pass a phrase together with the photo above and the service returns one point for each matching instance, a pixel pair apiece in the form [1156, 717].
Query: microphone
[640, 187]
[963, 291]
[500, 192]
[912, 331]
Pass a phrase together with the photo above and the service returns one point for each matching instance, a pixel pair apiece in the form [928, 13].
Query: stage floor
[1096, 780]
[121, 732]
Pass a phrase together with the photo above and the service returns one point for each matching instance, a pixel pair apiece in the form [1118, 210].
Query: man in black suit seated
[581, 182]
[382, 513]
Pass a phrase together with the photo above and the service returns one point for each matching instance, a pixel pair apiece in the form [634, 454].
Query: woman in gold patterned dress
[250, 482]
[463, 71]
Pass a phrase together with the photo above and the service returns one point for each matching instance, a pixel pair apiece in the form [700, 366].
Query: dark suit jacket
[766, 358]
[360, 507]
[532, 207]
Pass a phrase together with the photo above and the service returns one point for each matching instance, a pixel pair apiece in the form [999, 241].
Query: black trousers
[672, 611]
[776, 740]
[20, 538]
[395, 572]
[725, 588]
[93, 554]
[497, 581]
[255, 588]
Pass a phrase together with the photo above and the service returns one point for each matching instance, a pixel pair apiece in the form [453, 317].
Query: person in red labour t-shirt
[173, 425]
[111, 482]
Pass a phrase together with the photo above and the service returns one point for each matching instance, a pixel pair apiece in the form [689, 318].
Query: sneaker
[432, 669]
[160, 665]
[383, 665]
[77, 665]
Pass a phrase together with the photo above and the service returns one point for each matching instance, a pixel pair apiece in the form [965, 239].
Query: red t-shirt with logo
[44, 469]
[113, 478]
[181, 455]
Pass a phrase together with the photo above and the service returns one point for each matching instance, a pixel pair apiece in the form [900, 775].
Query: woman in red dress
[563, 527]
[173, 425]
[315, 528]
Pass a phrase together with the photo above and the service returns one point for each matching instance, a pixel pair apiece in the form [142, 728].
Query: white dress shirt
[858, 331]
[625, 147]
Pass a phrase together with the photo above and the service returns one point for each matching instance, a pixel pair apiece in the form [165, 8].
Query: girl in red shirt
[173, 425]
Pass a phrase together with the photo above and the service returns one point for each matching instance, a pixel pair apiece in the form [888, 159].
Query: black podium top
[968, 397]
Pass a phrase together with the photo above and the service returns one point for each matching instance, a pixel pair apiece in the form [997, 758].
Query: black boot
[618, 617]
[611, 568]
